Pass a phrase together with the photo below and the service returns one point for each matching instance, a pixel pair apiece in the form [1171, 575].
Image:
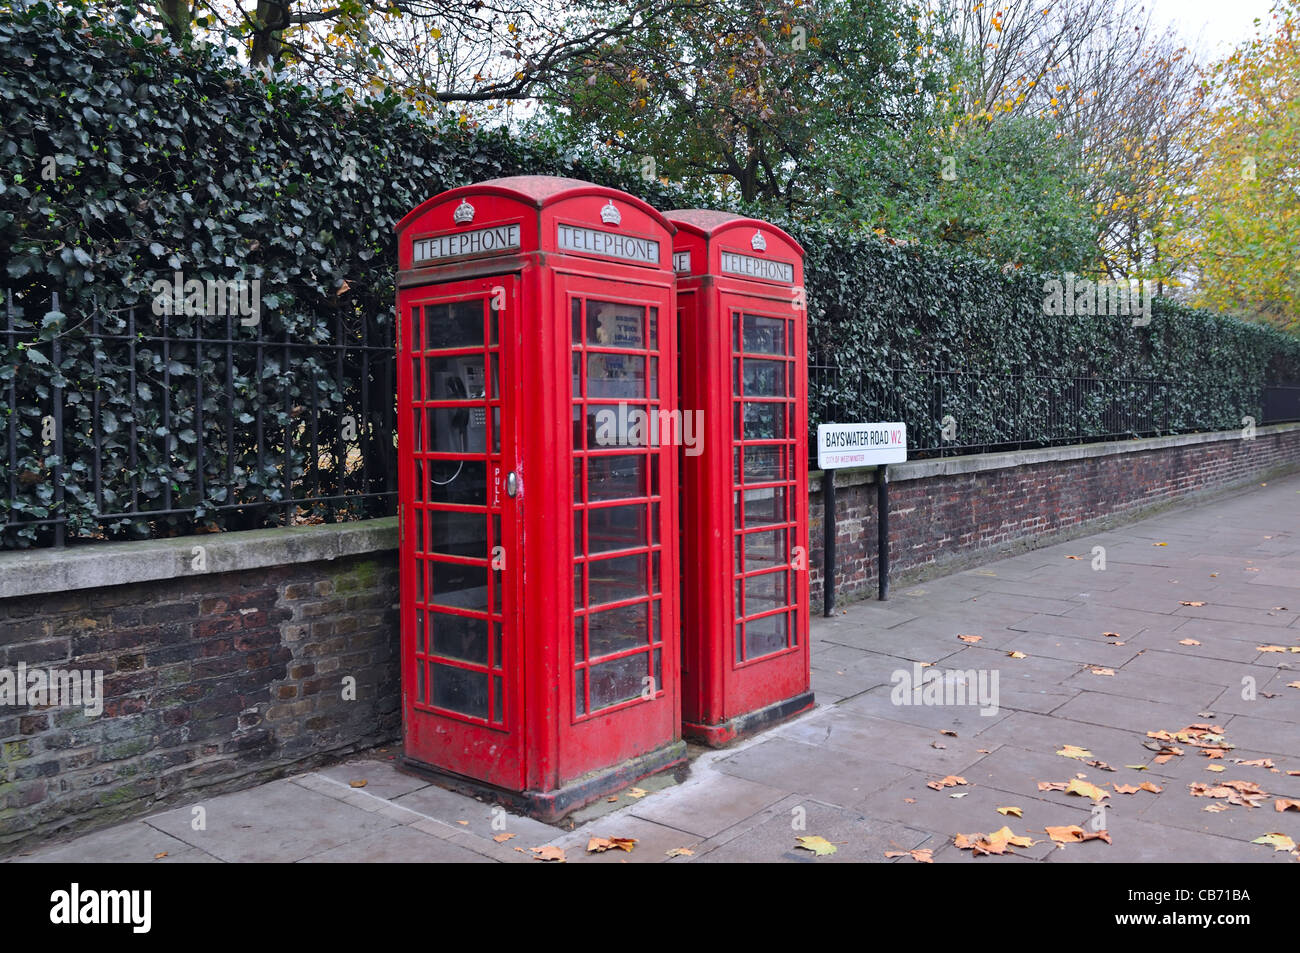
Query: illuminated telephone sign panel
[744, 534]
[537, 389]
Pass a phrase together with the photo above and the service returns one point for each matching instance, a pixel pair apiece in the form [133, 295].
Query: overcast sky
[1218, 24]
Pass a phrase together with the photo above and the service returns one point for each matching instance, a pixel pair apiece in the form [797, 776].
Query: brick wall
[943, 522]
[211, 682]
[219, 680]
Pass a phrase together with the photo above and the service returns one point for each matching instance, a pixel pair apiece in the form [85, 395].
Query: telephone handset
[458, 429]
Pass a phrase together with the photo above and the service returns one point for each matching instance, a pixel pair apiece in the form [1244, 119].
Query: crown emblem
[610, 215]
[464, 213]
[758, 242]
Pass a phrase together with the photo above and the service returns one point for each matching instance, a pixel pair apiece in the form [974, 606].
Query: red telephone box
[538, 502]
[744, 548]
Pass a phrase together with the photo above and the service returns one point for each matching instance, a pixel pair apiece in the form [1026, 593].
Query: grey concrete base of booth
[553, 806]
[742, 726]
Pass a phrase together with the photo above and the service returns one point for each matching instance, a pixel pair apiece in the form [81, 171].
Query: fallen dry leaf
[1017, 655]
[1215, 808]
[1074, 751]
[1286, 804]
[1074, 834]
[358, 784]
[502, 838]
[1102, 671]
[598, 845]
[1276, 840]
[1270, 648]
[637, 792]
[679, 852]
[1215, 767]
[1013, 811]
[548, 853]
[950, 781]
[1191, 603]
[1099, 765]
[1188, 642]
[921, 854]
[996, 843]
[971, 638]
[948, 731]
[1086, 789]
[1257, 763]
[1112, 635]
[160, 856]
[818, 845]
[1293, 684]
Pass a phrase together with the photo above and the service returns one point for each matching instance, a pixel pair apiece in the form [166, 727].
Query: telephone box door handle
[512, 483]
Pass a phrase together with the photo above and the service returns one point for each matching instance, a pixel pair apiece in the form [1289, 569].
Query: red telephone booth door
[769, 497]
[461, 557]
[620, 692]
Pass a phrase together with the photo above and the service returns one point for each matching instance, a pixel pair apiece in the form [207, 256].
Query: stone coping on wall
[89, 566]
[977, 462]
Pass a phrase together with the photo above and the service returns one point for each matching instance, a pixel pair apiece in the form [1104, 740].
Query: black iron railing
[132, 425]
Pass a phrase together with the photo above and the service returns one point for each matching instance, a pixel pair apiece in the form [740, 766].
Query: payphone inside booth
[538, 502]
[744, 363]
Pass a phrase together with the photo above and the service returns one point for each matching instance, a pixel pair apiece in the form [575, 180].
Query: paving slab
[856, 838]
[705, 809]
[132, 843]
[278, 822]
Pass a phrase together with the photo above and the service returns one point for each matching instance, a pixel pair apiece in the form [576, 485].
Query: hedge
[124, 159]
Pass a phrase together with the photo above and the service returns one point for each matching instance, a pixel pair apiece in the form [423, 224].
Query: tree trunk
[271, 17]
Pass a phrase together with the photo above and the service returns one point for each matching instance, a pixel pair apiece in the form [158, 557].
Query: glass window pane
[612, 580]
[459, 585]
[457, 689]
[616, 375]
[457, 429]
[459, 637]
[458, 481]
[765, 636]
[764, 335]
[618, 425]
[617, 681]
[762, 507]
[766, 592]
[455, 378]
[763, 421]
[763, 550]
[458, 534]
[458, 324]
[763, 464]
[616, 527]
[613, 324]
[616, 477]
[764, 378]
[616, 630]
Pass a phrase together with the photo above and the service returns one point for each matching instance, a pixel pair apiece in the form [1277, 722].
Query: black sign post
[882, 527]
[829, 532]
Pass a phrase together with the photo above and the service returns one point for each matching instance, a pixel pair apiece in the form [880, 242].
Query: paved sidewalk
[1195, 598]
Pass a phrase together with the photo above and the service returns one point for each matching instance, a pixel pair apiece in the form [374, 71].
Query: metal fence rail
[151, 425]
